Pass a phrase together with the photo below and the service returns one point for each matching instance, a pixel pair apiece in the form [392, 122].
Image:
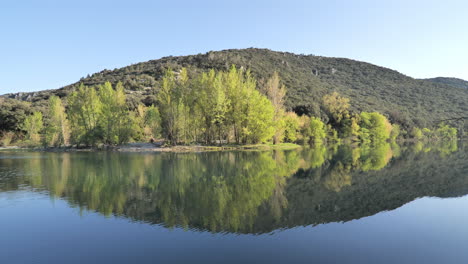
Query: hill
[455, 82]
[308, 78]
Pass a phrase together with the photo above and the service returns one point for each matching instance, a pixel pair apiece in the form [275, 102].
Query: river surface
[339, 204]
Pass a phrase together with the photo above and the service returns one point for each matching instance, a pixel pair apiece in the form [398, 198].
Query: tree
[446, 132]
[395, 132]
[172, 107]
[238, 85]
[114, 117]
[351, 127]
[33, 125]
[416, 133]
[219, 105]
[57, 130]
[374, 127]
[85, 109]
[259, 122]
[317, 130]
[167, 100]
[214, 104]
[152, 121]
[337, 107]
[291, 127]
[276, 92]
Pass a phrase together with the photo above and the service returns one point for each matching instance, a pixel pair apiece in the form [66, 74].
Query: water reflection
[243, 192]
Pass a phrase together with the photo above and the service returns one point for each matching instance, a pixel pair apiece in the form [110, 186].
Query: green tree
[446, 132]
[259, 122]
[395, 132]
[416, 133]
[238, 84]
[173, 110]
[152, 121]
[276, 92]
[291, 127]
[33, 125]
[214, 104]
[374, 127]
[84, 113]
[317, 131]
[57, 131]
[115, 119]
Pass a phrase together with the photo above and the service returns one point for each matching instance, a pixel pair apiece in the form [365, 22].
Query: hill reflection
[243, 192]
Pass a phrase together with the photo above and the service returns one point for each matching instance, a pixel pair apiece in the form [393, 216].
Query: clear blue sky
[49, 44]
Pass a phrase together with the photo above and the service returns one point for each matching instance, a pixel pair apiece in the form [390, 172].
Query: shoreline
[150, 148]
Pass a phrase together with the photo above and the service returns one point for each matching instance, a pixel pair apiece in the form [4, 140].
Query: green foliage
[114, 115]
[442, 132]
[57, 131]
[455, 82]
[416, 133]
[205, 98]
[100, 115]
[220, 106]
[276, 91]
[332, 134]
[395, 133]
[375, 157]
[6, 139]
[374, 127]
[446, 132]
[259, 126]
[33, 125]
[308, 79]
[317, 131]
[152, 121]
[168, 100]
[243, 192]
[291, 127]
[337, 107]
[84, 111]
[12, 114]
[350, 127]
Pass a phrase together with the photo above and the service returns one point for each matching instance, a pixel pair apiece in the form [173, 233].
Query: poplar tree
[114, 119]
[85, 109]
[276, 92]
[57, 130]
[174, 119]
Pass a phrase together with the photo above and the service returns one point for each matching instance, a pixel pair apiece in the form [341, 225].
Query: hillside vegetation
[404, 100]
[455, 82]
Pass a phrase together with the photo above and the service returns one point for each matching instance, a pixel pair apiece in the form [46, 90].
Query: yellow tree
[337, 108]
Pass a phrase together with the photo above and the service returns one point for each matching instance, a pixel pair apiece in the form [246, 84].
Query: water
[342, 204]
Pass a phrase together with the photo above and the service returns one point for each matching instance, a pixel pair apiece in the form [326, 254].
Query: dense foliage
[214, 107]
[455, 82]
[405, 101]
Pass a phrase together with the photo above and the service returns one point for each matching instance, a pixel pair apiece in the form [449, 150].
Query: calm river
[341, 204]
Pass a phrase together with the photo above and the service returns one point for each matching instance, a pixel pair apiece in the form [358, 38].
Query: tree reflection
[221, 191]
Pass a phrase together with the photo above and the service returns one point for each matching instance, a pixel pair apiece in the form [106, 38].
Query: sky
[49, 44]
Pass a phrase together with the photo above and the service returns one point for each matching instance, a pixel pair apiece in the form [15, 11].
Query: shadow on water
[244, 192]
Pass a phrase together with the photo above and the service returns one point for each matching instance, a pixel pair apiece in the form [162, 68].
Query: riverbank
[149, 147]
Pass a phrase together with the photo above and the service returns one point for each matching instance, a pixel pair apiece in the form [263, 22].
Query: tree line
[214, 107]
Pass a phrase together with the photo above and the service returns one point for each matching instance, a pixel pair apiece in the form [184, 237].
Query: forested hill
[455, 82]
[308, 78]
